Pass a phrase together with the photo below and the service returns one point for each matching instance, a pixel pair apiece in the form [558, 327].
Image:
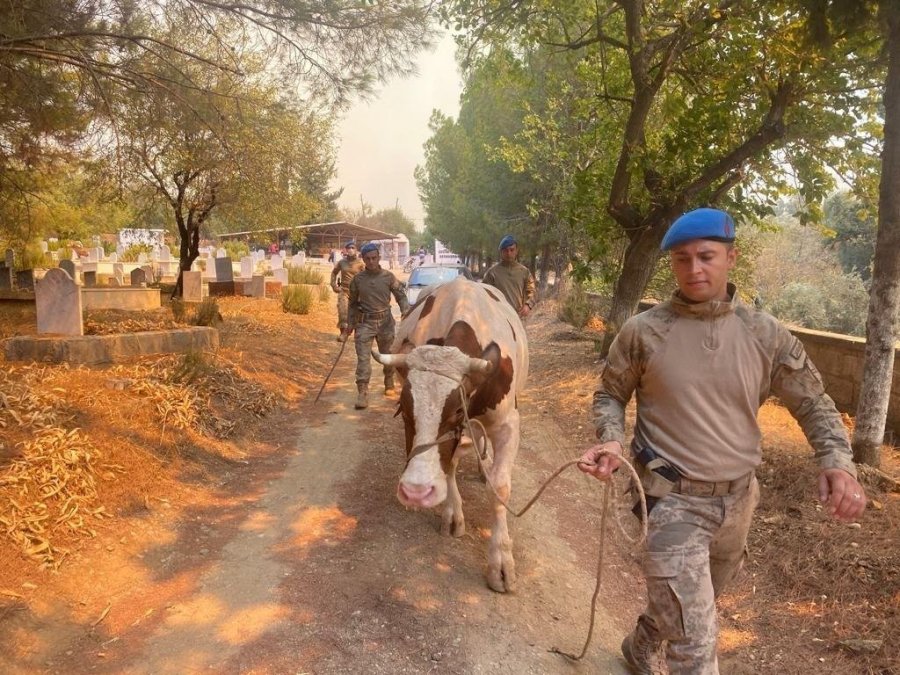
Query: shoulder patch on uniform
[796, 348]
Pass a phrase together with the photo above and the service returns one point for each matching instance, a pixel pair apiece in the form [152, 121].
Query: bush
[179, 311]
[132, 253]
[575, 306]
[236, 249]
[192, 366]
[207, 313]
[324, 293]
[305, 275]
[296, 299]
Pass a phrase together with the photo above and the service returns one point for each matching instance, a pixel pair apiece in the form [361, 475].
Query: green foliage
[133, 252]
[296, 299]
[207, 313]
[575, 307]
[851, 232]
[236, 249]
[305, 275]
[838, 307]
[324, 293]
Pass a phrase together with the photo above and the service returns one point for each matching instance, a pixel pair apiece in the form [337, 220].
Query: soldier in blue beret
[512, 278]
[702, 363]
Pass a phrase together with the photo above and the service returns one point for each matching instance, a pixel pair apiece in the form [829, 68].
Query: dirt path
[304, 562]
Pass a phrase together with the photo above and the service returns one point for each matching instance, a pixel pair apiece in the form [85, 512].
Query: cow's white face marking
[434, 372]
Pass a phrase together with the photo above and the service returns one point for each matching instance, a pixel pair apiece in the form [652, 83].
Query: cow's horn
[480, 366]
[389, 359]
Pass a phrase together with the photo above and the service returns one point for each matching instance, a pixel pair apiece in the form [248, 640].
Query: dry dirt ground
[208, 516]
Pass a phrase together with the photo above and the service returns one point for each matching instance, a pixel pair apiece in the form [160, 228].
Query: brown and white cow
[460, 337]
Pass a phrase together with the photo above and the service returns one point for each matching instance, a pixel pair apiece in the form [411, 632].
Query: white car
[432, 274]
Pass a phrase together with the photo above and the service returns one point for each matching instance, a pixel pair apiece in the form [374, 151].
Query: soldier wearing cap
[702, 363]
[370, 316]
[341, 276]
[512, 278]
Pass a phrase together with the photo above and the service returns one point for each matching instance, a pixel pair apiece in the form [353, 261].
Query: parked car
[432, 274]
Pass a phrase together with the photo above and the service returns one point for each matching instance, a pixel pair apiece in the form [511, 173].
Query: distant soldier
[341, 276]
[512, 278]
[370, 316]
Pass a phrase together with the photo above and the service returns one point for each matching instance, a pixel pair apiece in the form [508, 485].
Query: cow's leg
[452, 520]
[501, 574]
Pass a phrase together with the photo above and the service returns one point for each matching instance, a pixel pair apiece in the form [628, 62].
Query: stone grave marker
[6, 278]
[44, 247]
[281, 276]
[142, 258]
[9, 258]
[119, 273]
[149, 276]
[90, 278]
[247, 264]
[224, 270]
[69, 267]
[58, 302]
[138, 277]
[276, 262]
[120, 250]
[299, 259]
[92, 255]
[256, 288]
[165, 253]
[191, 287]
[25, 280]
[221, 253]
[113, 258]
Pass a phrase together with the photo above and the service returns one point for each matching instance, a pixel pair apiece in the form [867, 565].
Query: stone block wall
[839, 359]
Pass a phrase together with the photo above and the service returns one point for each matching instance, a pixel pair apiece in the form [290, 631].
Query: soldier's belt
[374, 316]
[702, 488]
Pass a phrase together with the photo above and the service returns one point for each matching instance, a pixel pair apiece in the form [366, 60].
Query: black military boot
[362, 398]
[644, 655]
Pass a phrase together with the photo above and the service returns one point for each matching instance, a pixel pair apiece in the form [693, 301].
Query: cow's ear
[492, 353]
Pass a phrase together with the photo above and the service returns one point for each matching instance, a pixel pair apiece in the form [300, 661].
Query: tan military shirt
[370, 294]
[344, 271]
[700, 373]
[514, 280]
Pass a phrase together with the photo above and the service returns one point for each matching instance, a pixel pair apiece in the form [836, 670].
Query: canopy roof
[318, 235]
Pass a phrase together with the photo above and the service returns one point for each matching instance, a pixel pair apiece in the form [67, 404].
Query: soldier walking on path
[341, 276]
[702, 364]
[512, 278]
[370, 316]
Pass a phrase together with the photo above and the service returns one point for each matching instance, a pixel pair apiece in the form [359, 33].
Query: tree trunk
[545, 268]
[884, 296]
[640, 261]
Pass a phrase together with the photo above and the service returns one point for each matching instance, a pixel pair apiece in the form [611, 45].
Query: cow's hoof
[451, 527]
[501, 582]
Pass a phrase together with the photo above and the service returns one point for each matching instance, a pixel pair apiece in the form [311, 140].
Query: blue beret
[699, 224]
[349, 244]
[368, 248]
[507, 241]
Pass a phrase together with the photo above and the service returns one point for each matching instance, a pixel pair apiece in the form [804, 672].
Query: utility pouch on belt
[658, 477]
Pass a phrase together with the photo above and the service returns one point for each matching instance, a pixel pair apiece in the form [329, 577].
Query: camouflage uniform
[370, 314]
[341, 276]
[701, 372]
[515, 281]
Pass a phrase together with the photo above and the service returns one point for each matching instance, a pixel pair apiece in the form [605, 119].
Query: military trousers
[381, 331]
[343, 308]
[695, 546]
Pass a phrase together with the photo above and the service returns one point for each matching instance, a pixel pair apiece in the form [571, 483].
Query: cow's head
[437, 377]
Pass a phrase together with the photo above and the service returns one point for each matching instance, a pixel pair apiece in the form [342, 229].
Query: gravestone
[113, 258]
[256, 288]
[75, 257]
[191, 287]
[58, 302]
[120, 250]
[90, 278]
[247, 264]
[276, 262]
[149, 276]
[6, 278]
[138, 277]
[165, 253]
[100, 253]
[221, 253]
[299, 259]
[142, 258]
[119, 273]
[281, 276]
[44, 247]
[92, 255]
[9, 258]
[224, 270]
[69, 267]
[25, 280]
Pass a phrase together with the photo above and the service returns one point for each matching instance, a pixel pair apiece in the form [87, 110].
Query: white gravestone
[282, 276]
[119, 273]
[58, 302]
[276, 262]
[191, 287]
[247, 264]
[221, 252]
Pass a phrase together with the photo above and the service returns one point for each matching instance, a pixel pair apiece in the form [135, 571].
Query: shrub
[207, 313]
[575, 307]
[132, 253]
[296, 299]
[191, 367]
[324, 293]
[179, 311]
[305, 275]
[236, 249]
